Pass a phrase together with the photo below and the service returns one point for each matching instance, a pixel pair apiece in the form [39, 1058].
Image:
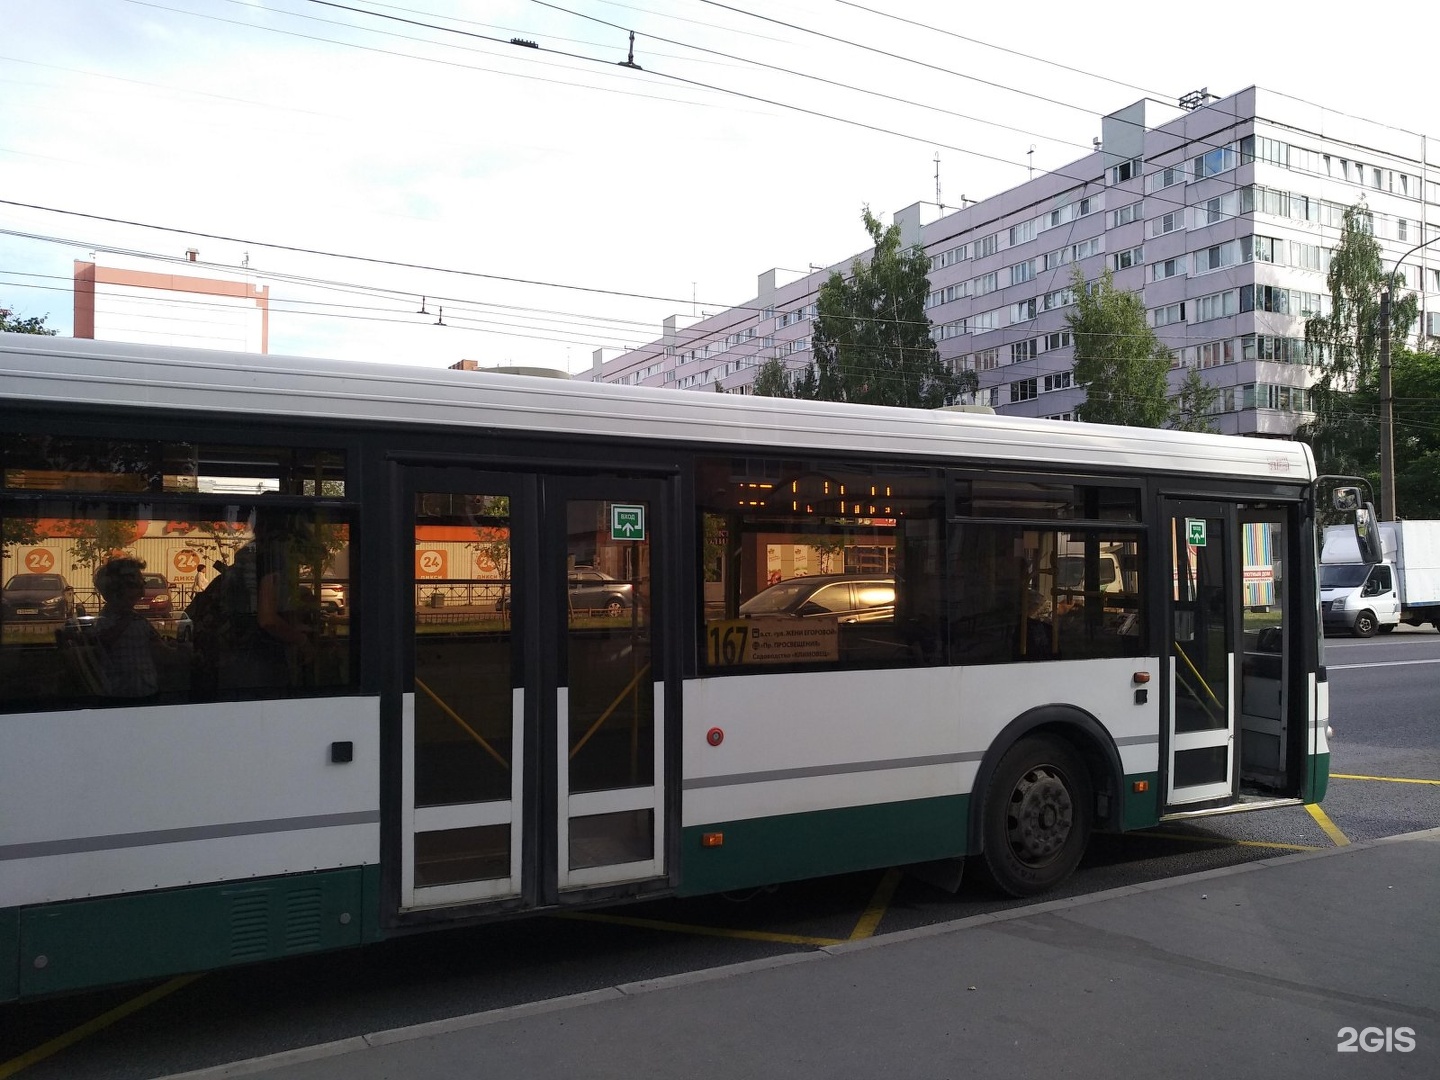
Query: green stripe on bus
[1142, 809]
[68, 946]
[9, 954]
[1319, 778]
[790, 847]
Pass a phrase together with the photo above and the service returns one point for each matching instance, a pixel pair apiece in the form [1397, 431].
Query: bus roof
[74, 372]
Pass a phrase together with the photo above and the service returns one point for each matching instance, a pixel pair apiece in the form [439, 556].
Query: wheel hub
[1041, 815]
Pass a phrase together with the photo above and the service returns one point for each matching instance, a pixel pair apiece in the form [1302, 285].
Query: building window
[1022, 232]
[1023, 390]
[1022, 350]
[1167, 177]
[1123, 260]
[1261, 249]
[1213, 162]
[1061, 380]
[1171, 313]
[1024, 311]
[1167, 223]
[1126, 170]
[1215, 258]
[1022, 272]
[1169, 268]
[1215, 353]
[1215, 306]
[1060, 340]
[1126, 214]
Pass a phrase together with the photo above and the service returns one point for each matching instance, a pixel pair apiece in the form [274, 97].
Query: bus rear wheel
[1037, 816]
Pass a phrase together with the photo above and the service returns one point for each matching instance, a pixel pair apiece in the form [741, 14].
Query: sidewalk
[1249, 971]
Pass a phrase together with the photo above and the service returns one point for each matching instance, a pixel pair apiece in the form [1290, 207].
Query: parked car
[332, 597]
[156, 603]
[850, 598]
[591, 590]
[36, 596]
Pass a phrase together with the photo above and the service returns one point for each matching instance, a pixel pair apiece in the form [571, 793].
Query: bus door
[533, 709]
[1201, 604]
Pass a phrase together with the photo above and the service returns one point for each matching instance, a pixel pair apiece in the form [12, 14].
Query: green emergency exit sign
[1195, 532]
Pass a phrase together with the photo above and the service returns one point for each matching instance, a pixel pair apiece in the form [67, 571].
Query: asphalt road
[1385, 781]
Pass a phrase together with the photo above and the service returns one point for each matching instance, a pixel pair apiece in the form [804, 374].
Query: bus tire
[1038, 811]
[1365, 624]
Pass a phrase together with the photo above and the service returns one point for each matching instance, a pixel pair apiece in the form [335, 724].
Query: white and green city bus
[530, 685]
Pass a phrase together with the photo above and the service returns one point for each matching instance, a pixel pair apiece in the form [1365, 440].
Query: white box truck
[1404, 586]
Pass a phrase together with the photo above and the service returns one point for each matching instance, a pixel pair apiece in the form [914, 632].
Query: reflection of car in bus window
[851, 598]
[1070, 573]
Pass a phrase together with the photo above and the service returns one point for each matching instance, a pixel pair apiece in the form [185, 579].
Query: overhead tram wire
[1154, 196]
[822, 80]
[508, 54]
[1012, 52]
[722, 90]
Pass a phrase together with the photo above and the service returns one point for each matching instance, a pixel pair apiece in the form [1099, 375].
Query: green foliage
[1344, 349]
[772, 380]
[1118, 359]
[871, 340]
[1192, 407]
[17, 532]
[10, 323]
[99, 539]
[1415, 412]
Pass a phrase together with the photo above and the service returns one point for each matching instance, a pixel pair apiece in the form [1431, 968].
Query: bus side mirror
[1346, 499]
[1367, 534]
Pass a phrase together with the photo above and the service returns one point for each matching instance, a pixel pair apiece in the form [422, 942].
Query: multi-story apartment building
[1222, 213]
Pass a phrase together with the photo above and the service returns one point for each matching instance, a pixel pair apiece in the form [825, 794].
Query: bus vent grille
[250, 926]
[303, 909]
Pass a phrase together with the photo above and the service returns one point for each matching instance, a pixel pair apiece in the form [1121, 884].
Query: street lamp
[1388, 505]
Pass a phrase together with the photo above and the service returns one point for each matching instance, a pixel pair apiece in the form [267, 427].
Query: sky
[377, 163]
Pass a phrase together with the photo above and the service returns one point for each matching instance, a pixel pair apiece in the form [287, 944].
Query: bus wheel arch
[1051, 776]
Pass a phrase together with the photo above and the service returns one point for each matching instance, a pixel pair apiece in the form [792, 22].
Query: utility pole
[1387, 412]
[1388, 506]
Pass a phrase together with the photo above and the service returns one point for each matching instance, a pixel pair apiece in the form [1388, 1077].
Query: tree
[1344, 348]
[1118, 359]
[1415, 390]
[871, 341]
[97, 540]
[10, 323]
[1192, 407]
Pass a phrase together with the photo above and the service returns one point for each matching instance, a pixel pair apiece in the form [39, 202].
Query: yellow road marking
[686, 928]
[870, 921]
[1224, 840]
[90, 1027]
[1383, 779]
[1327, 826]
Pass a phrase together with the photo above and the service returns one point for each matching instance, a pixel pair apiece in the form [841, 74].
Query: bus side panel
[827, 772]
[146, 935]
[105, 801]
[9, 955]
[795, 846]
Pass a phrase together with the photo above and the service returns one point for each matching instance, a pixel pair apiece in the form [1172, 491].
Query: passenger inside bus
[127, 644]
